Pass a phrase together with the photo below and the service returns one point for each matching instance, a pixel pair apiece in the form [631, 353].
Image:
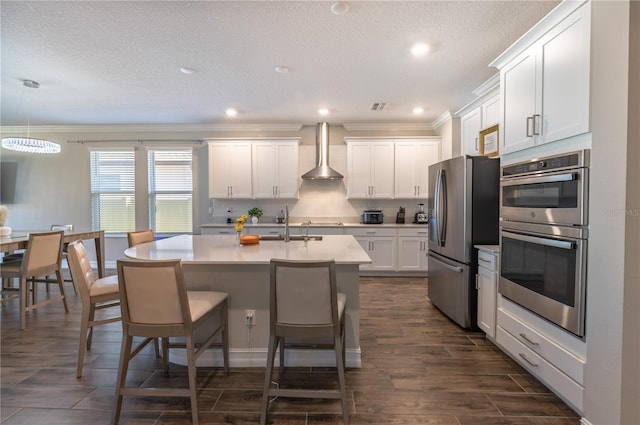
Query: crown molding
[150, 128]
[387, 126]
[442, 119]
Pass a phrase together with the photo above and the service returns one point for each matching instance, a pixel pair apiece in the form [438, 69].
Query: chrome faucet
[286, 223]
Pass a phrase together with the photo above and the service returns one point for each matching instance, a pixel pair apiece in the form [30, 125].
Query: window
[170, 191]
[113, 191]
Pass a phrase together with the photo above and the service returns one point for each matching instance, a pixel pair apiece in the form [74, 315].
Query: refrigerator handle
[436, 207]
[442, 231]
[446, 265]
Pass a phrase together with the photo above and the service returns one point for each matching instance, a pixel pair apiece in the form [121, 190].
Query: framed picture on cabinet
[489, 142]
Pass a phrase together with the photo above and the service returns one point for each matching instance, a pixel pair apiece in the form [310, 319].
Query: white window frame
[103, 183]
[182, 187]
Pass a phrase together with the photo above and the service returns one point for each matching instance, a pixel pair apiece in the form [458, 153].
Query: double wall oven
[544, 219]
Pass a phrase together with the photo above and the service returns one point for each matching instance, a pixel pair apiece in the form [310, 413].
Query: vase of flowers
[239, 226]
[255, 214]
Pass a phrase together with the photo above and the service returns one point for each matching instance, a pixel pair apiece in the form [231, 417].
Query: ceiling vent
[378, 106]
[322, 171]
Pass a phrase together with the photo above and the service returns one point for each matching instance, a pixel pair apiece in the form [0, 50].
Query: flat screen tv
[8, 175]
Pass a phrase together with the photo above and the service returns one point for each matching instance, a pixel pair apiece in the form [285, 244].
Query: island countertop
[224, 249]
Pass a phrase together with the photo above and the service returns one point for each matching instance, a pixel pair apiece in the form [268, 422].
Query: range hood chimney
[322, 171]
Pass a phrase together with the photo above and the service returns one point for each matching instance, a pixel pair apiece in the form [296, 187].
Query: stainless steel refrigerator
[463, 211]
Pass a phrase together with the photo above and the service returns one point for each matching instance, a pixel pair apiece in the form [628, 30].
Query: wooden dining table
[20, 239]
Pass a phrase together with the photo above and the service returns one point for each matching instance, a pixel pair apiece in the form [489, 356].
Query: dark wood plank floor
[418, 367]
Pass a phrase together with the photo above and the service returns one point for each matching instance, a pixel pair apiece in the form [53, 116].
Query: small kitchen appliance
[421, 216]
[400, 216]
[372, 217]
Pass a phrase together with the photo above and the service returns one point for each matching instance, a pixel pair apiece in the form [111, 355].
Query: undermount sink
[292, 237]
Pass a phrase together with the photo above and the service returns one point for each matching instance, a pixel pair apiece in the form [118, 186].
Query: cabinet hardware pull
[477, 145]
[483, 260]
[523, 357]
[536, 124]
[529, 340]
[477, 285]
[529, 125]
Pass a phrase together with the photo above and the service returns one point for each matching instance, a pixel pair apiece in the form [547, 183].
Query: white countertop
[224, 249]
[494, 249]
[249, 225]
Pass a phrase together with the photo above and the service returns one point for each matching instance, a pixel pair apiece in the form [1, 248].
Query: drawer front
[487, 261]
[413, 231]
[227, 230]
[564, 386]
[370, 231]
[544, 347]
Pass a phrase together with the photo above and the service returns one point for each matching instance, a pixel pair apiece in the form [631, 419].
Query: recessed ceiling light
[187, 70]
[282, 69]
[419, 49]
[418, 110]
[339, 8]
[323, 111]
[231, 112]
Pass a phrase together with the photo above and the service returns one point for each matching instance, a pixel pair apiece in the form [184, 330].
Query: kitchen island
[220, 263]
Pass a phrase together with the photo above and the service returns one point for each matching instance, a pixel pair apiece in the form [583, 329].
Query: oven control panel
[569, 160]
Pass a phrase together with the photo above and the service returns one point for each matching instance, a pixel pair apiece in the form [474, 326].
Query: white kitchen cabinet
[275, 169]
[230, 170]
[370, 168]
[412, 160]
[470, 126]
[548, 352]
[412, 249]
[380, 245]
[545, 87]
[487, 286]
[483, 112]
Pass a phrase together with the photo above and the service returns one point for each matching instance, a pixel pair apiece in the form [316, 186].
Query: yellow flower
[242, 219]
[239, 227]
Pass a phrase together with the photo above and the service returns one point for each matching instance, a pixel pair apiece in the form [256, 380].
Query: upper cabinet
[544, 84]
[253, 169]
[370, 168]
[230, 170]
[482, 113]
[390, 168]
[412, 160]
[275, 169]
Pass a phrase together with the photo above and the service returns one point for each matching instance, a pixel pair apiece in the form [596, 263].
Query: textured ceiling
[102, 62]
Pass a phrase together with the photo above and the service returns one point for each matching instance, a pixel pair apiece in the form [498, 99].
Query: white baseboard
[258, 358]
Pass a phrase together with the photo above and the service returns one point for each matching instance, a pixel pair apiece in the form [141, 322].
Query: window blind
[113, 190]
[170, 191]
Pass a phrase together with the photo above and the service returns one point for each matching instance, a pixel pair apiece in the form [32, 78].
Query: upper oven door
[558, 197]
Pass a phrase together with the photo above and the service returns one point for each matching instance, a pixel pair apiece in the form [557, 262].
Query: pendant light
[29, 144]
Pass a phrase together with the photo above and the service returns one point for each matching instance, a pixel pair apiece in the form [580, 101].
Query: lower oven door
[545, 274]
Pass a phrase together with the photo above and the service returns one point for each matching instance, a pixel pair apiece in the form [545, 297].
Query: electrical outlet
[250, 317]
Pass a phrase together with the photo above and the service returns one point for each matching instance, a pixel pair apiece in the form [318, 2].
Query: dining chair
[306, 306]
[41, 258]
[140, 236]
[95, 294]
[65, 228]
[155, 303]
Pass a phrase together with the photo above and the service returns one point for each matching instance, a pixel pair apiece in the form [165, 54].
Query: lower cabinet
[412, 250]
[549, 353]
[487, 286]
[380, 245]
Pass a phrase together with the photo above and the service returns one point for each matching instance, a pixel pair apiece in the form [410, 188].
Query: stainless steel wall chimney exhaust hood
[322, 171]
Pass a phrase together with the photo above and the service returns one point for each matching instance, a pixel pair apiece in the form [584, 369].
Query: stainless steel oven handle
[541, 241]
[447, 266]
[548, 178]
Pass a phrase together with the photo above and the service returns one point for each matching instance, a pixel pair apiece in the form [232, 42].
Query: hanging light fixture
[30, 144]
